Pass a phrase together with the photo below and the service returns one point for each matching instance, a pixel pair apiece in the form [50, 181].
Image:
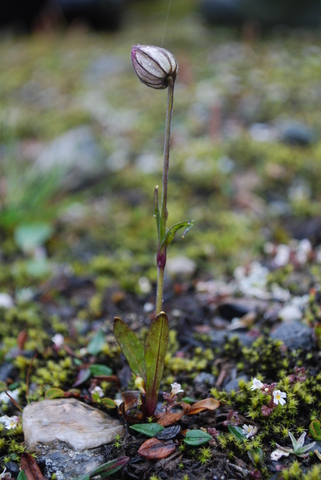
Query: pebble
[294, 335]
[290, 313]
[70, 421]
[181, 266]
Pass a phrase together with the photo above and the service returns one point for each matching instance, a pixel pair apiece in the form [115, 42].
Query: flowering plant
[156, 68]
[277, 397]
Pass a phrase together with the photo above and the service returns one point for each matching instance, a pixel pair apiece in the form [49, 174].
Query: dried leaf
[30, 468]
[131, 399]
[154, 449]
[22, 338]
[169, 433]
[206, 404]
[166, 419]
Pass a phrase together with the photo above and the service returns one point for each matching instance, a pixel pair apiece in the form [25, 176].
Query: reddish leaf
[155, 449]
[30, 468]
[22, 338]
[166, 419]
[206, 404]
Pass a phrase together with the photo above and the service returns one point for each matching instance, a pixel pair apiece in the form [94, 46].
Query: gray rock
[294, 335]
[234, 384]
[295, 133]
[204, 378]
[66, 464]
[70, 421]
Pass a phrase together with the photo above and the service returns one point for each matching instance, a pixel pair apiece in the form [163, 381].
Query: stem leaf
[155, 350]
[171, 232]
[131, 347]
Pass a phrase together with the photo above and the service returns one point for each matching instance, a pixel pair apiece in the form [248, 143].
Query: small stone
[294, 335]
[181, 266]
[290, 313]
[67, 420]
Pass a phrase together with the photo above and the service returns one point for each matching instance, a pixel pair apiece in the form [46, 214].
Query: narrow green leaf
[108, 402]
[109, 468]
[98, 370]
[237, 432]
[155, 351]
[96, 344]
[197, 437]
[131, 347]
[171, 232]
[149, 429]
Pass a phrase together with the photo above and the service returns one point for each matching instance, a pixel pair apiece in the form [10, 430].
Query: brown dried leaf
[22, 338]
[166, 419]
[154, 449]
[206, 404]
[30, 468]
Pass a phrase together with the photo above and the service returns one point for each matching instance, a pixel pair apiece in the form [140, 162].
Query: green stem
[161, 253]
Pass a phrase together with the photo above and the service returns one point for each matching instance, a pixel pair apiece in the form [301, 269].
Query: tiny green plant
[156, 68]
[298, 448]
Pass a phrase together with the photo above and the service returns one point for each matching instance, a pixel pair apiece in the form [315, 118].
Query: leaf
[156, 344]
[171, 232]
[54, 392]
[22, 476]
[131, 398]
[237, 432]
[149, 429]
[166, 419]
[97, 370]
[106, 469]
[154, 449]
[3, 387]
[30, 468]
[108, 402]
[169, 433]
[315, 429]
[197, 437]
[96, 344]
[131, 347]
[83, 375]
[30, 236]
[254, 453]
[206, 404]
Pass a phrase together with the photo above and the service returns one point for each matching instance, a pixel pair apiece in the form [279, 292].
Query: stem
[163, 214]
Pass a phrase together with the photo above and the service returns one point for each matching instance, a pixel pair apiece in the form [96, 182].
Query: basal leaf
[149, 429]
[106, 469]
[155, 351]
[131, 347]
[171, 232]
[197, 437]
[98, 370]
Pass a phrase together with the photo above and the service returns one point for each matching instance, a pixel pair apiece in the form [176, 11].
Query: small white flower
[176, 388]
[58, 340]
[278, 397]
[256, 384]
[277, 454]
[98, 390]
[249, 430]
[9, 422]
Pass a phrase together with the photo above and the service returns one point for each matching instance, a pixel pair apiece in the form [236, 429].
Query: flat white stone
[67, 420]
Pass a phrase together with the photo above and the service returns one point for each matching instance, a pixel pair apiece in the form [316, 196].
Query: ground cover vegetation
[77, 239]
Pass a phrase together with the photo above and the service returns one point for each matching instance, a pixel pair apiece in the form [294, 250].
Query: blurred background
[81, 139]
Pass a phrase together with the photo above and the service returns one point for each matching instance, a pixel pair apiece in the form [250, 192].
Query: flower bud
[153, 65]
[140, 384]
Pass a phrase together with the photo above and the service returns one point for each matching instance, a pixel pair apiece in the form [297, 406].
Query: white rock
[67, 420]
